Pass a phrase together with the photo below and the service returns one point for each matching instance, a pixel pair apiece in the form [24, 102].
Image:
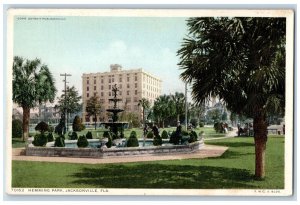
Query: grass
[17, 143]
[234, 169]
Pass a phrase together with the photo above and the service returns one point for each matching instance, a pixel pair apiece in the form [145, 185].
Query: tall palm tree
[241, 60]
[33, 84]
[162, 108]
[179, 104]
[145, 104]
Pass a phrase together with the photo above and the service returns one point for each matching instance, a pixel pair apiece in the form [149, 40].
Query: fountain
[115, 124]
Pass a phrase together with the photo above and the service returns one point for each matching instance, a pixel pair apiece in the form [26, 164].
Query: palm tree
[179, 104]
[93, 108]
[33, 84]
[162, 109]
[145, 105]
[241, 60]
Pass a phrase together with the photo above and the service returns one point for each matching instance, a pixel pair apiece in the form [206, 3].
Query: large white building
[134, 84]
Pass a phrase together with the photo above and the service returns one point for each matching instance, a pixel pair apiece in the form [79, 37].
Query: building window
[135, 99]
[94, 87]
[120, 86]
[95, 94]
[87, 88]
[87, 82]
[109, 80]
[109, 93]
[135, 85]
[94, 81]
[87, 95]
[128, 86]
[101, 87]
[135, 92]
[120, 79]
[128, 93]
[101, 94]
[102, 80]
[120, 92]
[135, 78]
[113, 80]
[128, 78]
[87, 118]
[128, 100]
[109, 87]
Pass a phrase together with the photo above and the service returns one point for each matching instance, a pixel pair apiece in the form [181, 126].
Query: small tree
[164, 134]
[77, 125]
[89, 135]
[73, 136]
[60, 141]
[93, 108]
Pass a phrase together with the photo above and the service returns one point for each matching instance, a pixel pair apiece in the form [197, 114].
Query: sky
[77, 45]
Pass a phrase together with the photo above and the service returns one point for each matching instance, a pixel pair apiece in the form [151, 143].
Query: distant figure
[178, 129]
[239, 127]
[155, 130]
[145, 130]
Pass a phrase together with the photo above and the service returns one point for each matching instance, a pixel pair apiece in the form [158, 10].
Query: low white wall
[112, 152]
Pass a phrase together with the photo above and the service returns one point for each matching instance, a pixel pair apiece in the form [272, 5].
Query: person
[145, 130]
[155, 130]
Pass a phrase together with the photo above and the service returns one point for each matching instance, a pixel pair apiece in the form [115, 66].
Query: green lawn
[17, 143]
[234, 169]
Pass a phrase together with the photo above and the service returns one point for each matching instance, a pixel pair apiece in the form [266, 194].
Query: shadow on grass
[232, 144]
[164, 176]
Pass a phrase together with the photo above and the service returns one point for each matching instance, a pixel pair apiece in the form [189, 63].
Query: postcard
[184, 102]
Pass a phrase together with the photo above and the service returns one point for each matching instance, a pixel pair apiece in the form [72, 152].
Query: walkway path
[230, 134]
[204, 152]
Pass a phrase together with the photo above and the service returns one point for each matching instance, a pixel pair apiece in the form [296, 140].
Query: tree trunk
[260, 138]
[95, 122]
[26, 117]
[178, 118]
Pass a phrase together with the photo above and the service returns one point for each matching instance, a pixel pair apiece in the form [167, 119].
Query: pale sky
[77, 45]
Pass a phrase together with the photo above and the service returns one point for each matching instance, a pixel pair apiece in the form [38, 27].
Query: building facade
[133, 85]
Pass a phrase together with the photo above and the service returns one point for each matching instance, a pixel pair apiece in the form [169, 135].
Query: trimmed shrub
[82, 141]
[77, 125]
[164, 134]
[73, 136]
[109, 143]
[193, 137]
[89, 135]
[42, 127]
[150, 135]
[157, 141]
[50, 137]
[132, 141]
[40, 140]
[122, 135]
[17, 130]
[59, 141]
[51, 128]
[201, 124]
[175, 138]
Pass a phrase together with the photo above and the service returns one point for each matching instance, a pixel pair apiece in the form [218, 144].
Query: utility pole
[186, 107]
[65, 104]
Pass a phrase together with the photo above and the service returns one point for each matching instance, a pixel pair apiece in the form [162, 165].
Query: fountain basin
[114, 151]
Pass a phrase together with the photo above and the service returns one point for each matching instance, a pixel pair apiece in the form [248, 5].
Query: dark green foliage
[89, 135]
[150, 135]
[218, 126]
[122, 135]
[106, 134]
[60, 129]
[193, 137]
[194, 122]
[109, 143]
[50, 137]
[157, 141]
[42, 127]
[175, 138]
[132, 141]
[201, 124]
[82, 141]
[40, 140]
[184, 133]
[164, 134]
[17, 128]
[77, 125]
[73, 136]
[51, 128]
[59, 141]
